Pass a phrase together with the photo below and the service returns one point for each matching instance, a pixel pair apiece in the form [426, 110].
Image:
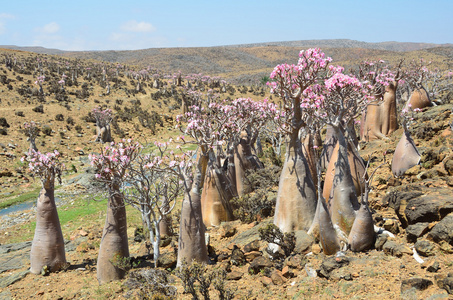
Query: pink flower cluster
[112, 163]
[103, 117]
[40, 80]
[31, 129]
[46, 166]
[291, 80]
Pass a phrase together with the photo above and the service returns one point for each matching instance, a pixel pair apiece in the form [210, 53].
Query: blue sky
[135, 24]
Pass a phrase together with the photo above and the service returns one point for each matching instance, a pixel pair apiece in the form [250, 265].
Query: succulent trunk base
[48, 244]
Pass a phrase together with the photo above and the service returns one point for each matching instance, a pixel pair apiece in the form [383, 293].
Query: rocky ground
[417, 209]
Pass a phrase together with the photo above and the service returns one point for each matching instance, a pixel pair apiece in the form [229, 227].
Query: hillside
[250, 62]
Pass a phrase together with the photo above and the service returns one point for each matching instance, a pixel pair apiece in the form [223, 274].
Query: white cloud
[50, 28]
[134, 26]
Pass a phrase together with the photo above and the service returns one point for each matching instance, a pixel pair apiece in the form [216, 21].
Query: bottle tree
[296, 198]
[47, 250]
[112, 166]
[103, 119]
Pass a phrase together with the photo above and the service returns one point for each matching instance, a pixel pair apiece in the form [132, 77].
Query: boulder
[414, 231]
[330, 264]
[416, 283]
[424, 248]
[303, 242]
[258, 264]
[395, 249]
[277, 277]
[252, 246]
[428, 208]
[234, 275]
[237, 257]
[443, 231]
[167, 260]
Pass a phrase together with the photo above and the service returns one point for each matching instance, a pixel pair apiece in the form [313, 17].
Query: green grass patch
[85, 211]
[33, 195]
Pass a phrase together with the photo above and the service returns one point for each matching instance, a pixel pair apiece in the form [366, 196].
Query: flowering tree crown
[45, 166]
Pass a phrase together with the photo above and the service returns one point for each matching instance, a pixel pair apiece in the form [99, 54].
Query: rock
[434, 267]
[449, 166]
[5, 295]
[250, 256]
[167, 260]
[424, 248]
[392, 181]
[165, 241]
[83, 233]
[417, 283]
[330, 264]
[380, 241]
[145, 249]
[287, 272]
[237, 257]
[234, 275]
[442, 231]
[277, 277]
[296, 261]
[428, 208]
[414, 231]
[258, 264]
[303, 242]
[316, 249]
[223, 256]
[446, 247]
[251, 234]
[227, 229]
[448, 284]
[8, 280]
[398, 201]
[266, 281]
[391, 225]
[14, 247]
[252, 246]
[394, 249]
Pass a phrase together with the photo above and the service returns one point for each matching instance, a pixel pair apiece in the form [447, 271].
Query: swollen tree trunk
[309, 154]
[419, 99]
[244, 160]
[215, 198]
[356, 166]
[114, 245]
[103, 134]
[296, 197]
[406, 155]
[322, 226]
[33, 144]
[192, 242]
[47, 248]
[165, 225]
[381, 117]
[362, 236]
[327, 148]
[343, 198]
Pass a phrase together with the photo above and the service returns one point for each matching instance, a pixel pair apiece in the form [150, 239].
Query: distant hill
[249, 62]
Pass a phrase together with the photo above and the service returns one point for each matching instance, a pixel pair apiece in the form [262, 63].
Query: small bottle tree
[112, 165]
[103, 120]
[32, 131]
[47, 250]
